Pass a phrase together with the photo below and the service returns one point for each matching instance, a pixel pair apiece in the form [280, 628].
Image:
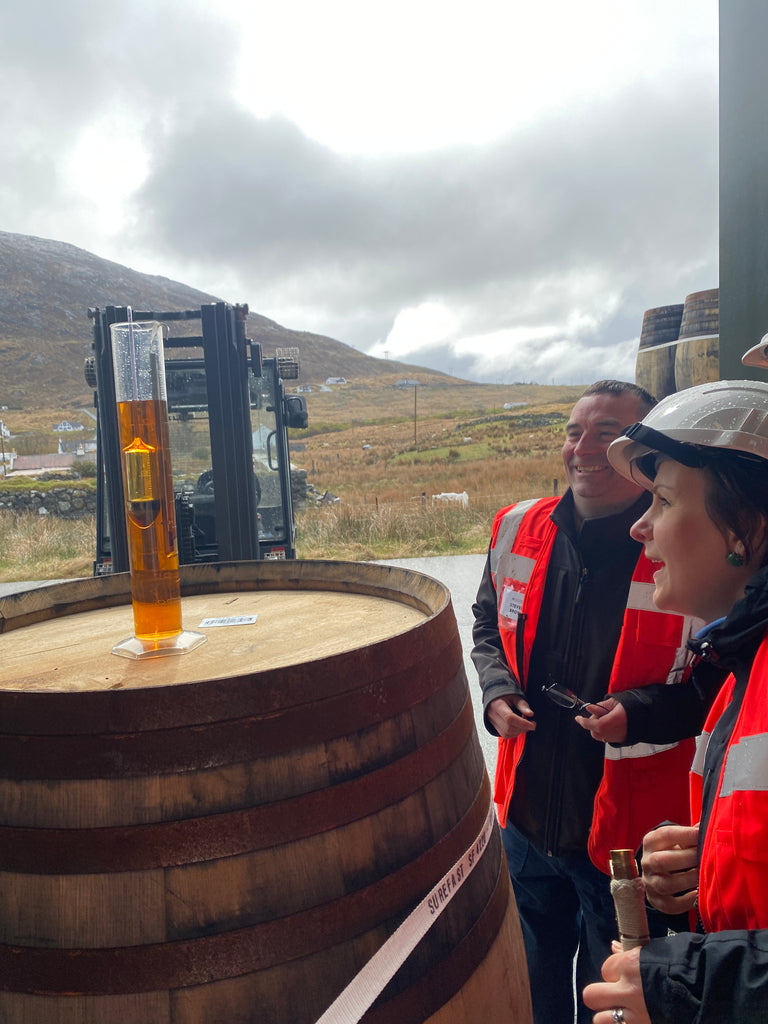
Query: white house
[77, 447]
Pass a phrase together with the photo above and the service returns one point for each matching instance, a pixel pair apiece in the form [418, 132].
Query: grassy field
[45, 548]
[383, 452]
[435, 439]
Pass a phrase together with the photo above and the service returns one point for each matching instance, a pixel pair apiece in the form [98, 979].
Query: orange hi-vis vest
[644, 783]
[733, 872]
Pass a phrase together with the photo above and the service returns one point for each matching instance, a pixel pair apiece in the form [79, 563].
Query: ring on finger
[618, 1015]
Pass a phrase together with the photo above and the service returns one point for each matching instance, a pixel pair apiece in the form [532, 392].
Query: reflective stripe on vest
[636, 750]
[640, 596]
[515, 566]
[746, 769]
[696, 776]
[697, 768]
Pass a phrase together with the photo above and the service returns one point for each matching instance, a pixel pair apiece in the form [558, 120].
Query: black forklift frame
[227, 357]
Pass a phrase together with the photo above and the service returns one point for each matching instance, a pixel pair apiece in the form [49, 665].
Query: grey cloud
[77, 56]
[601, 211]
[623, 194]
[65, 65]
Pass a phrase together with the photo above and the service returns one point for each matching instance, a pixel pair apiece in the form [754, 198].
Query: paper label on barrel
[230, 620]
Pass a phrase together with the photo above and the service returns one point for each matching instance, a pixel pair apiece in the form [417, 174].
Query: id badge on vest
[511, 604]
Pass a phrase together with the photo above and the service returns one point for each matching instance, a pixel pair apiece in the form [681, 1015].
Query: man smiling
[596, 420]
[563, 603]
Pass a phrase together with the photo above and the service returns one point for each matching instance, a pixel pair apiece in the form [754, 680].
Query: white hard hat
[758, 354]
[694, 427]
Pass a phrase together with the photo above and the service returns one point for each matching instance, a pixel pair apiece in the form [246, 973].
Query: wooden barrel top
[60, 638]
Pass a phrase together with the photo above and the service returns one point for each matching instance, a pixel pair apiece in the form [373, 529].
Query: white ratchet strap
[350, 1006]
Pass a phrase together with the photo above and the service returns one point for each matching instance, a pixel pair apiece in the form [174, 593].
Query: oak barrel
[230, 835]
[701, 314]
[697, 361]
[655, 364]
[697, 354]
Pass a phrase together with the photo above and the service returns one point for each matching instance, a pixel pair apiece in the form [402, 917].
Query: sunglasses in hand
[567, 699]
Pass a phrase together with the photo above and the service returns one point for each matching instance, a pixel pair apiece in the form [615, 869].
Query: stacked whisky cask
[679, 344]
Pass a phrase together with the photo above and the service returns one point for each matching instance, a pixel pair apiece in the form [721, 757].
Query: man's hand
[670, 868]
[610, 727]
[510, 716]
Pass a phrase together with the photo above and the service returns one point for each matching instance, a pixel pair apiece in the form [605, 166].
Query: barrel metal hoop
[180, 964]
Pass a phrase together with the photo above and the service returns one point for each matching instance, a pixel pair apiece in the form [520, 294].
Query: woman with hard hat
[703, 453]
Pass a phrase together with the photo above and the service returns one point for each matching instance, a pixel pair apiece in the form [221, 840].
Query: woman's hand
[511, 716]
[670, 868]
[622, 989]
[606, 726]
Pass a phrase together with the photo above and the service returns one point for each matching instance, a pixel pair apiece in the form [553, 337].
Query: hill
[47, 287]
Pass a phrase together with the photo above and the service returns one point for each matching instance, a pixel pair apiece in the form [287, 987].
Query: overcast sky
[496, 189]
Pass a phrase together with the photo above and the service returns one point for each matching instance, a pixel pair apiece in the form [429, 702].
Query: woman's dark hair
[737, 496]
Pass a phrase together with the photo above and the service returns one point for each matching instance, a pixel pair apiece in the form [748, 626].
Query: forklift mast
[228, 422]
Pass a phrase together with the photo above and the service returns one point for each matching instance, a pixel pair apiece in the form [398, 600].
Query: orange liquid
[150, 519]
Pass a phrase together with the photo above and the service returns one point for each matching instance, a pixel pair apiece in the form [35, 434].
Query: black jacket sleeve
[662, 713]
[707, 979]
[496, 677]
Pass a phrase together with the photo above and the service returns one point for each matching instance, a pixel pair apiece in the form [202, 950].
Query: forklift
[228, 423]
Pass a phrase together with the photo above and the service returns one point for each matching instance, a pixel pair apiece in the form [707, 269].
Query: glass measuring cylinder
[137, 355]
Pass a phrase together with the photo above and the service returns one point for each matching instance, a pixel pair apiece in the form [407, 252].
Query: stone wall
[76, 502]
[66, 502]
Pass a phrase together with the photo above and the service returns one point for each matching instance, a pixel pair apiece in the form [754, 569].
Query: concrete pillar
[743, 183]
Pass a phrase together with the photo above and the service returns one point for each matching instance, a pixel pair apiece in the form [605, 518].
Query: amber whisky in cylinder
[150, 518]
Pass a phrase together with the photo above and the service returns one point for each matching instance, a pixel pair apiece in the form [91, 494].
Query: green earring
[735, 559]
